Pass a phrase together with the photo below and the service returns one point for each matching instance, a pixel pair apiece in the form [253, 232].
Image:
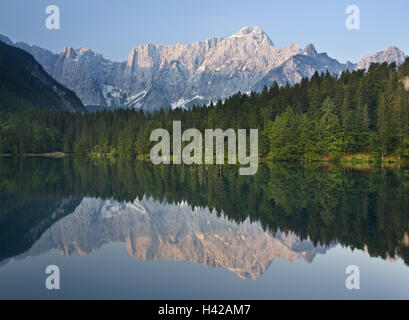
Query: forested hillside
[323, 117]
[25, 85]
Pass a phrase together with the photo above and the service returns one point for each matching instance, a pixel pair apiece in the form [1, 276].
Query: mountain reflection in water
[157, 230]
[206, 215]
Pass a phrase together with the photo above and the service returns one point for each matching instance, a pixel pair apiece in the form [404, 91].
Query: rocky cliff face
[300, 66]
[155, 230]
[181, 75]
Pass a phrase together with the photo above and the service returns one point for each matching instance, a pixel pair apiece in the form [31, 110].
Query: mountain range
[171, 76]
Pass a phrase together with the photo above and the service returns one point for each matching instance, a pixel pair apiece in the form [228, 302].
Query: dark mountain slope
[24, 84]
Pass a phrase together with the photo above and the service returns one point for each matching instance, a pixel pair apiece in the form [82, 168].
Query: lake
[131, 230]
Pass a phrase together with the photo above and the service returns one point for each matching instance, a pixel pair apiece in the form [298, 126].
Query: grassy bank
[364, 158]
[55, 154]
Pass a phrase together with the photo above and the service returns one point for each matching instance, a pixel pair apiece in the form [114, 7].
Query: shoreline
[56, 154]
[356, 160]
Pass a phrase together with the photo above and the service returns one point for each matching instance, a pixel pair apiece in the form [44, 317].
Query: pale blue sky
[112, 28]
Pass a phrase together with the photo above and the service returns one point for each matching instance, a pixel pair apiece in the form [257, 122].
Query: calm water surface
[129, 229]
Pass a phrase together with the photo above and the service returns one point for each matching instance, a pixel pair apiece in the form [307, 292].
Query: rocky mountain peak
[310, 50]
[394, 49]
[254, 33]
[392, 54]
[69, 52]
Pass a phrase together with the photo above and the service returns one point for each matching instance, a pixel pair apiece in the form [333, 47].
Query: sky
[112, 28]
